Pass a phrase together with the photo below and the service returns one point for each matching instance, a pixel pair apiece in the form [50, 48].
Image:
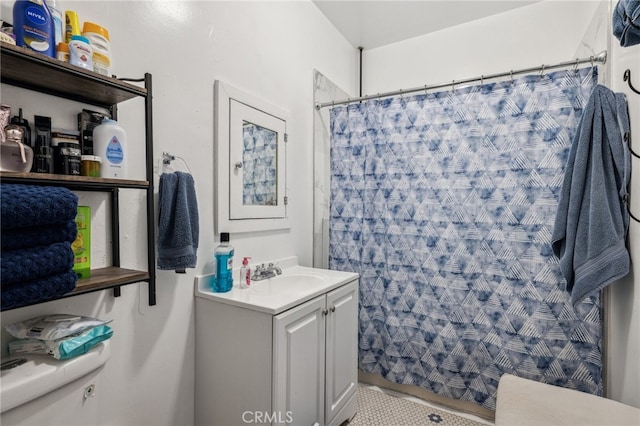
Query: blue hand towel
[178, 226]
[591, 224]
[626, 22]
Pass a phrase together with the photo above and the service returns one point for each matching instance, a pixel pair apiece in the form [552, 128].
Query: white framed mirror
[250, 158]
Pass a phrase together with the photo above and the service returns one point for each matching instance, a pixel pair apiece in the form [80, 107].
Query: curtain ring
[453, 85]
[591, 60]
[481, 79]
[425, 90]
[542, 70]
[400, 93]
[575, 67]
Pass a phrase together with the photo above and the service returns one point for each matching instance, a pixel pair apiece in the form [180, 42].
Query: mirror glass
[250, 184]
[259, 165]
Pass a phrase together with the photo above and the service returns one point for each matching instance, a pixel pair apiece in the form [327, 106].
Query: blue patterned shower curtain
[445, 203]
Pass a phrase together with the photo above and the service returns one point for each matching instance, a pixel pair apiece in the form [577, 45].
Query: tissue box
[82, 245]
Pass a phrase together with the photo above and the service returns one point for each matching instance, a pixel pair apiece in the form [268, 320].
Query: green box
[82, 245]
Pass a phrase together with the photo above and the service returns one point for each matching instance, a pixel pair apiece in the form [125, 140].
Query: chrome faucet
[263, 272]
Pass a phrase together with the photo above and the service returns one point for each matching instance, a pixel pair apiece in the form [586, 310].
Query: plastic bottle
[80, 52]
[245, 273]
[56, 15]
[223, 255]
[110, 144]
[33, 26]
[72, 25]
[99, 39]
[62, 52]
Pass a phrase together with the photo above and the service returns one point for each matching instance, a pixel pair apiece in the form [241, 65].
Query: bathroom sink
[295, 285]
[289, 282]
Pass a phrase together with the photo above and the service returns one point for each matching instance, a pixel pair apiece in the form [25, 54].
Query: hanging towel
[592, 220]
[626, 22]
[178, 226]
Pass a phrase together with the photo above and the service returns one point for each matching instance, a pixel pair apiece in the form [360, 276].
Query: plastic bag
[53, 327]
[68, 347]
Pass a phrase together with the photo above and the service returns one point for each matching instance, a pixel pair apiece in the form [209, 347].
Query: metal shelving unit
[26, 69]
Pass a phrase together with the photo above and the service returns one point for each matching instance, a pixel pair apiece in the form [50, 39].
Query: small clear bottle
[245, 273]
[223, 256]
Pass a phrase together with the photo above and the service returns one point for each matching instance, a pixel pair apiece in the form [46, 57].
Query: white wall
[269, 49]
[543, 33]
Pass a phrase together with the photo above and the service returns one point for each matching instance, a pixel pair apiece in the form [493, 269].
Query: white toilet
[46, 391]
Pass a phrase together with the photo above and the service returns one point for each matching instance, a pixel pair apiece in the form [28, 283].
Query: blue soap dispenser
[223, 256]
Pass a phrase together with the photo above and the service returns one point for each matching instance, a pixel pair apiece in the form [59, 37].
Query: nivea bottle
[223, 254]
[34, 27]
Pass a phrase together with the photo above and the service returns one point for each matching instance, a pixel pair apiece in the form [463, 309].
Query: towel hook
[627, 78]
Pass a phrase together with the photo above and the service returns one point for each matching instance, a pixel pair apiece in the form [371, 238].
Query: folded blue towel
[33, 263]
[32, 205]
[626, 22]
[38, 290]
[18, 238]
[178, 226]
[589, 235]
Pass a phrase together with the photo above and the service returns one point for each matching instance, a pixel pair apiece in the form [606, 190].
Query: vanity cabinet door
[299, 352]
[342, 349]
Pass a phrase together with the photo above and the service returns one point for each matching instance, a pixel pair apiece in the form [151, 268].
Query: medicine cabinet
[24, 68]
[250, 160]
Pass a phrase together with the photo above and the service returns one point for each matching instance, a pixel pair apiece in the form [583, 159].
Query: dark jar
[67, 158]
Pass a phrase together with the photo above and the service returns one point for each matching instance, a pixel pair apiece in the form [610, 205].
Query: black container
[67, 158]
[43, 154]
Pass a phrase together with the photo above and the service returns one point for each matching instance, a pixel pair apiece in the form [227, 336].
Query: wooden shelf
[109, 277]
[75, 182]
[25, 68]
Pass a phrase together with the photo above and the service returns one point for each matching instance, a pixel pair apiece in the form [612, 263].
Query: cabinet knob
[325, 312]
[333, 309]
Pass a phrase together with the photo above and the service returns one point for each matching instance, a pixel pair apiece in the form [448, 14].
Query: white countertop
[274, 296]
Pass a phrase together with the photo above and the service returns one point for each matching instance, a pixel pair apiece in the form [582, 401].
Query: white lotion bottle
[245, 273]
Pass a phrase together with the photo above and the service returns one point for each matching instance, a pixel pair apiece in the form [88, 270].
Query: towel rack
[168, 158]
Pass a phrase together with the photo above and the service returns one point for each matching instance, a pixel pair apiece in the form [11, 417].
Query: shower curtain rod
[600, 57]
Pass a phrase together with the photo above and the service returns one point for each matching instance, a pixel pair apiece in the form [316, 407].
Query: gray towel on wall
[178, 226]
[626, 22]
[589, 235]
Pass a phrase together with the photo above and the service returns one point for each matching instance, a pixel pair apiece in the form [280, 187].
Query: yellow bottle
[72, 25]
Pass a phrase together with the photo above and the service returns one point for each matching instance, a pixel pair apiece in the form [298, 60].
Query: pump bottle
[245, 273]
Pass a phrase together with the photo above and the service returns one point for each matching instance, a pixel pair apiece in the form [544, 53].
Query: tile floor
[384, 407]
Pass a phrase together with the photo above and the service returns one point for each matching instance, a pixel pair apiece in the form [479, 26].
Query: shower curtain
[444, 203]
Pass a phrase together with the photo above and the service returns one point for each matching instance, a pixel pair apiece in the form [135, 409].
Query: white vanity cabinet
[315, 358]
[291, 366]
